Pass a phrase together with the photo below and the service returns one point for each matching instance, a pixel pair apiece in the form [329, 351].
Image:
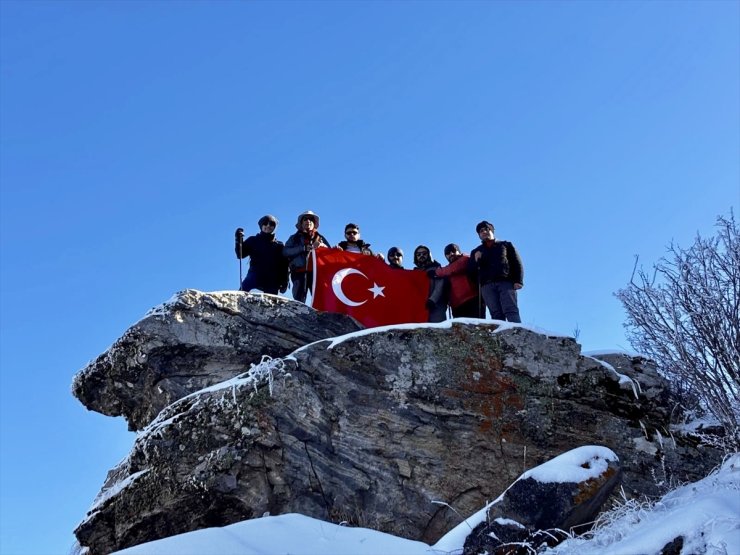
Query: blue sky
[136, 136]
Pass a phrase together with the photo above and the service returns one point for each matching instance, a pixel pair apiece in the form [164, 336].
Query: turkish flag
[368, 289]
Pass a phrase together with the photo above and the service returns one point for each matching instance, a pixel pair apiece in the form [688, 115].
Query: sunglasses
[351, 232]
[395, 255]
[270, 224]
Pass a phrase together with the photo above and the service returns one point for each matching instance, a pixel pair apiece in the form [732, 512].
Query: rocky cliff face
[193, 341]
[372, 428]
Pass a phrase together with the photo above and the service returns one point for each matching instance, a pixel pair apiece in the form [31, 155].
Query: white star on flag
[377, 290]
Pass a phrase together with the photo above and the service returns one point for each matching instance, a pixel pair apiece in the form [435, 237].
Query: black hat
[483, 225]
[394, 250]
[267, 219]
[452, 247]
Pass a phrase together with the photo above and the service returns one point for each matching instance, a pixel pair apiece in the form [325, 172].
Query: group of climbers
[487, 278]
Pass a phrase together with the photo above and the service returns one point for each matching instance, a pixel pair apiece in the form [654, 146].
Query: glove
[239, 234]
[283, 288]
[429, 304]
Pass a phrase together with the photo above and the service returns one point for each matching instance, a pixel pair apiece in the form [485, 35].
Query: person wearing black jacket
[497, 267]
[268, 268]
[352, 242]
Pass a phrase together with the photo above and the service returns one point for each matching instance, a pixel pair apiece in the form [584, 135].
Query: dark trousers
[302, 283]
[250, 282]
[500, 298]
[438, 313]
[468, 309]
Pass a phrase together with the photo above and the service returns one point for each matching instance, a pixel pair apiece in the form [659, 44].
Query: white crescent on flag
[336, 285]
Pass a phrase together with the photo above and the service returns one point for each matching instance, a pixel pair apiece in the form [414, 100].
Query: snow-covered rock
[192, 341]
[379, 428]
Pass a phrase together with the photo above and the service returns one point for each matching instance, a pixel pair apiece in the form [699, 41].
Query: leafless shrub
[685, 315]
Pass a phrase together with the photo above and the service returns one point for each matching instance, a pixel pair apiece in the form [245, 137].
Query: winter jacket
[438, 292]
[461, 288]
[499, 262]
[362, 245]
[295, 250]
[437, 286]
[266, 260]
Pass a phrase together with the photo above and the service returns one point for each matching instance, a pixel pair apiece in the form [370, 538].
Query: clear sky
[136, 136]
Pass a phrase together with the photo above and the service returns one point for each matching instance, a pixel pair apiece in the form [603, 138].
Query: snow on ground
[706, 513]
[292, 534]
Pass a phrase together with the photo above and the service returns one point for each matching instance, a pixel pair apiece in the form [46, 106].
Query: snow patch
[621, 378]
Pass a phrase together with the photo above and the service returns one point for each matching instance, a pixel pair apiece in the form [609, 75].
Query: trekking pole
[305, 278]
[240, 266]
[481, 310]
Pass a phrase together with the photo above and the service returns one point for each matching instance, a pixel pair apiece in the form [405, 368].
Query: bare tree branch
[686, 317]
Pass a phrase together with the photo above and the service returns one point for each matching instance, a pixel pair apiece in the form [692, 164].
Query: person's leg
[491, 297]
[299, 287]
[469, 309]
[267, 284]
[509, 305]
[250, 282]
[438, 314]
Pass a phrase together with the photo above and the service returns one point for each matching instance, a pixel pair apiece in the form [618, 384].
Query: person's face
[396, 257]
[452, 256]
[485, 233]
[422, 256]
[268, 227]
[307, 224]
[352, 235]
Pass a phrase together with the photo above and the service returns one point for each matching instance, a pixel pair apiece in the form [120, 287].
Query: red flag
[368, 289]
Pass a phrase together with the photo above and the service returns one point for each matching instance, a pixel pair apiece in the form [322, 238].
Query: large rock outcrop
[375, 427]
[193, 341]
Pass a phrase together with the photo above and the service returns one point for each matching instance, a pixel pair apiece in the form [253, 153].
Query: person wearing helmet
[464, 300]
[395, 258]
[268, 268]
[437, 300]
[498, 268]
[297, 249]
